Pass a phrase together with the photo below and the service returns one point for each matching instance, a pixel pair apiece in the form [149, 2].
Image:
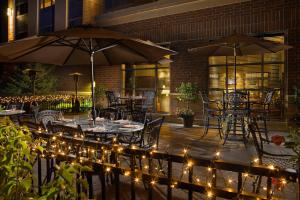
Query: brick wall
[184, 30]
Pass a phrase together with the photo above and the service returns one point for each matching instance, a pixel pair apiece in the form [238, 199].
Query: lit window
[46, 3]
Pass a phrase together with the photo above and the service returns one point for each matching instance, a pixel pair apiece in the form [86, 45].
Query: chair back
[151, 133]
[236, 100]
[258, 141]
[205, 100]
[46, 116]
[111, 98]
[149, 99]
[268, 97]
[138, 116]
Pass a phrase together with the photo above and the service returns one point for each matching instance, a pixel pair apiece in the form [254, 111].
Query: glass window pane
[274, 57]
[217, 60]
[244, 59]
[217, 77]
[275, 75]
[163, 101]
[164, 79]
[145, 79]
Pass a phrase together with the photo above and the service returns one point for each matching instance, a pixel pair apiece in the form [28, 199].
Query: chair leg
[220, 128]
[206, 125]
[266, 129]
[244, 131]
[91, 188]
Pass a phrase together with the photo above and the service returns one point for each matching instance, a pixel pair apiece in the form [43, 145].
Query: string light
[126, 173]
[271, 167]
[209, 194]
[190, 164]
[255, 160]
[185, 151]
[209, 169]
[136, 179]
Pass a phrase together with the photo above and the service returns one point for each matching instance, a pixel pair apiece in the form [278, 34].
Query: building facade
[179, 25]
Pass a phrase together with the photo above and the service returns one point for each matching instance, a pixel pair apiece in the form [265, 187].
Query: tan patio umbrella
[238, 45]
[83, 46]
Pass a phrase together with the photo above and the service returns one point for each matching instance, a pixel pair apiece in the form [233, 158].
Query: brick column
[61, 15]
[91, 9]
[33, 17]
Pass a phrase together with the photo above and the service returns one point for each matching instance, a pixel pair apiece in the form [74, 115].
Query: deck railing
[152, 168]
[48, 102]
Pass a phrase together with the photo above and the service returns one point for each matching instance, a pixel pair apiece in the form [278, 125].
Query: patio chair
[262, 110]
[269, 154]
[135, 115]
[46, 116]
[236, 110]
[146, 104]
[113, 101]
[211, 110]
[279, 157]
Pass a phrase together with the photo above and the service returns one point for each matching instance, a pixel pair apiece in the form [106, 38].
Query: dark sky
[3, 20]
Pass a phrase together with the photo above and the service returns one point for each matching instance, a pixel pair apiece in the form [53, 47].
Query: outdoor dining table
[5, 113]
[104, 125]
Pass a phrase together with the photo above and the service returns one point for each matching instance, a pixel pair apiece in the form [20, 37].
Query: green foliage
[16, 161]
[188, 93]
[100, 94]
[64, 183]
[18, 153]
[100, 91]
[20, 83]
[293, 142]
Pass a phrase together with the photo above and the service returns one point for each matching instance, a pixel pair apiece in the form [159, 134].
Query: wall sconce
[9, 12]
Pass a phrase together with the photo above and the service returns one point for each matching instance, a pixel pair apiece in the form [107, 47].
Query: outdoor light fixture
[9, 12]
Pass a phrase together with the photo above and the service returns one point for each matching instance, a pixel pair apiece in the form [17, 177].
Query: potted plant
[188, 93]
[100, 95]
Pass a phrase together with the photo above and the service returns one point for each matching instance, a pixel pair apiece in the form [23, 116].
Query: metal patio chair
[211, 110]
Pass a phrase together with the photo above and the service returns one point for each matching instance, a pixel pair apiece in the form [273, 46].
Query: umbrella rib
[70, 44]
[68, 57]
[35, 49]
[131, 49]
[107, 58]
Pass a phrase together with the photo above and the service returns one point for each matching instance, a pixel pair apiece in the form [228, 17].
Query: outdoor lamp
[9, 12]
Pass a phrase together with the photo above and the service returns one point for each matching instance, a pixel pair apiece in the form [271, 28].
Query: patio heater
[76, 104]
[32, 75]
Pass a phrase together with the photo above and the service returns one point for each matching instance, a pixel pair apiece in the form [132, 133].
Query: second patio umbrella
[238, 45]
[83, 46]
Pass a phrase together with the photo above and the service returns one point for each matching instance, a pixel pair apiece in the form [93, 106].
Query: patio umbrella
[83, 46]
[238, 45]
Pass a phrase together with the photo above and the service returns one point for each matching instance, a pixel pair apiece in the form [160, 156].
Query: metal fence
[152, 168]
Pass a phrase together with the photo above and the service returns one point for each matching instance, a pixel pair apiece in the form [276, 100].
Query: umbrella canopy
[238, 45]
[73, 47]
[83, 46]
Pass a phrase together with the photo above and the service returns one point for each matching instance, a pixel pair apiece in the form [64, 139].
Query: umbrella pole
[234, 52]
[93, 87]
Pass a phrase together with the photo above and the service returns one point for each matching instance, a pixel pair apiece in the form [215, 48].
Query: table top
[104, 125]
[132, 97]
[11, 112]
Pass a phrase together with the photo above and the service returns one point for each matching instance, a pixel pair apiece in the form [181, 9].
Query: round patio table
[104, 125]
[4, 113]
